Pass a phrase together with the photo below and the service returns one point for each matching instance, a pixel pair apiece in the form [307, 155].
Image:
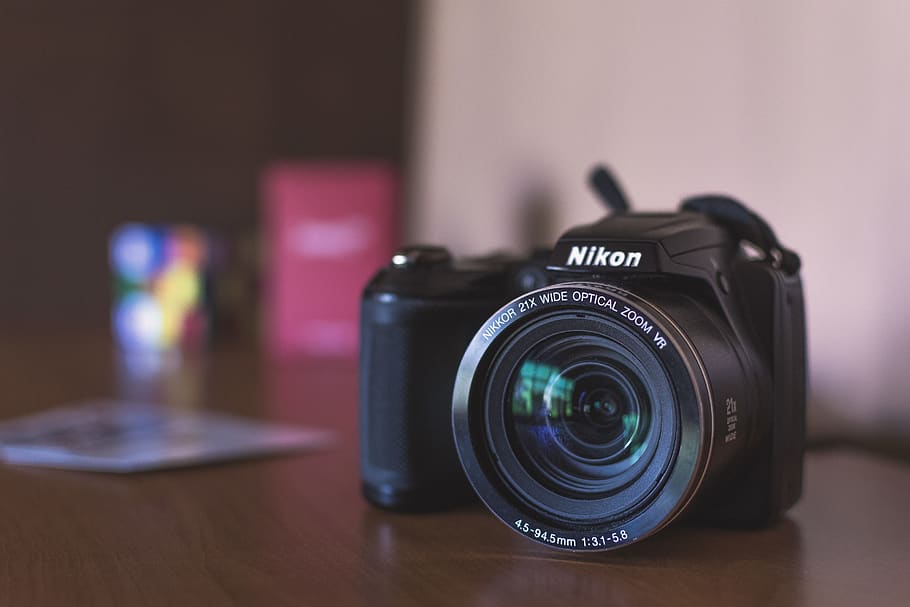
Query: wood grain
[295, 531]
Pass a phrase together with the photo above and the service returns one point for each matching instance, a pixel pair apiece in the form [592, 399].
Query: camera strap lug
[745, 225]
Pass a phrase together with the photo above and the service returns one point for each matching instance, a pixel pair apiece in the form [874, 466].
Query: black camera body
[652, 365]
[417, 317]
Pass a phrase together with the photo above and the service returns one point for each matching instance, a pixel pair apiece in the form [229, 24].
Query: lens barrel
[583, 417]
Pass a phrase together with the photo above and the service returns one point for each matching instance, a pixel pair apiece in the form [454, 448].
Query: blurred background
[484, 113]
[115, 111]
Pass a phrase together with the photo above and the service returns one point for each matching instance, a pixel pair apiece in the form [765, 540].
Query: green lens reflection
[577, 419]
[541, 384]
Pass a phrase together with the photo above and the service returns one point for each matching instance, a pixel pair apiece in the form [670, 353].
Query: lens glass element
[579, 416]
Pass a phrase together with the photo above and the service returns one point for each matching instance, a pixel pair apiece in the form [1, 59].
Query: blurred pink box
[329, 227]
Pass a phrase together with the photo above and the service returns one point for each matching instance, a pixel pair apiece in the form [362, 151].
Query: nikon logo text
[601, 256]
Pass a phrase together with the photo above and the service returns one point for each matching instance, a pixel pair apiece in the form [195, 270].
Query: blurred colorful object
[328, 227]
[160, 278]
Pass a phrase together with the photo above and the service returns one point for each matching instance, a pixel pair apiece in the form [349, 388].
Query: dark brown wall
[116, 110]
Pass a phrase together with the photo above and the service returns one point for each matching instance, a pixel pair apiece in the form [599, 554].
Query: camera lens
[572, 425]
[579, 416]
[580, 413]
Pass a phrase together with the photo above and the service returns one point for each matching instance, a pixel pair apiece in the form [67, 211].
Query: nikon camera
[652, 366]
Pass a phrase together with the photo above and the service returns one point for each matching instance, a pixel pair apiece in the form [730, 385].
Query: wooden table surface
[295, 531]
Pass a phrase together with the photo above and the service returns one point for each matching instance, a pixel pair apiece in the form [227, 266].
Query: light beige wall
[799, 108]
